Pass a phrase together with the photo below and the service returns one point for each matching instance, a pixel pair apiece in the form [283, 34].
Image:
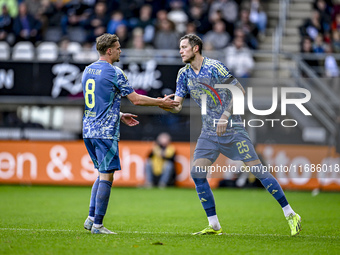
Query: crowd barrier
[67, 163]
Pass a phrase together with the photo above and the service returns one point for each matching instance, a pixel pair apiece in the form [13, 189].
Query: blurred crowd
[139, 24]
[321, 34]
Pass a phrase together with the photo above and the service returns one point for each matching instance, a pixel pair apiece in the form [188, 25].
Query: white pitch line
[40, 229]
[171, 233]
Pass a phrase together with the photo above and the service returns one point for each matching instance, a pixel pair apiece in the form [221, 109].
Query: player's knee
[198, 174]
[106, 177]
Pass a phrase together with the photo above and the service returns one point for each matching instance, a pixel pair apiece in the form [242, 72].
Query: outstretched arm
[165, 102]
[177, 108]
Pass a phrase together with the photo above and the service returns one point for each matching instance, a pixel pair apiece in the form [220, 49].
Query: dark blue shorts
[236, 146]
[104, 154]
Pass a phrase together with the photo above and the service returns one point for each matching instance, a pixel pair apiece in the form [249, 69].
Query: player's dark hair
[105, 41]
[193, 41]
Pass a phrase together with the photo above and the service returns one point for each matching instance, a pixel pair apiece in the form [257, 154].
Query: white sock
[213, 221]
[91, 218]
[287, 210]
[97, 225]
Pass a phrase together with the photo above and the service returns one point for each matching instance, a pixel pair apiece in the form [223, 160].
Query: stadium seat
[47, 51]
[23, 51]
[86, 56]
[4, 51]
[74, 47]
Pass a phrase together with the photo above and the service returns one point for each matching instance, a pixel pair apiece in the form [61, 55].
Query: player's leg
[90, 219]
[93, 199]
[108, 163]
[205, 195]
[274, 188]
[102, 201]
[206, 152]
[102, 197]
[91, 150]
[241, 148]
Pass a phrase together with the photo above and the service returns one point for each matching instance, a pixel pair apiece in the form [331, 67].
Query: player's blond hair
[105, 41]
[193, 41]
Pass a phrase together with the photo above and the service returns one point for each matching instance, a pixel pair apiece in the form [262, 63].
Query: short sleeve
[123, 83]
[182, 83]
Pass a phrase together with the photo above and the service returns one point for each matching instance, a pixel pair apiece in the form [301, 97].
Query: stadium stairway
[298, 11]
[275, 72]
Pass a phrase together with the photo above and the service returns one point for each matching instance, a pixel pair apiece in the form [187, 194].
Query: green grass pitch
[49, 220]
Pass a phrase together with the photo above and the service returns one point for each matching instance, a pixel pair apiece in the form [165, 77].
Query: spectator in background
[12, 7]
[146, 22]
[336, 23]
[178, 16]
[26, 27]
[35, 8]
[166, 36]
[111, 6]
[202, 4]
[229, 9]
[218, 37]
[331, 69]
[258, 17]
[192, 29]
[53, 16]
[239, 59]
[325, 18]
[325, 14]
[96, 24]
[160, 16]
[199, 18]
[319, 45]
[129, 8]
[336, 41]
[335, 9]
[6, 26]
[117, 18]
[307, 48]
[250, 30]
[73, 23]
[122, 33]
[229, 27]
[160, 167]
[157, 5]
[312, 26]
[78, 13]
[137, 41]
[246, 38]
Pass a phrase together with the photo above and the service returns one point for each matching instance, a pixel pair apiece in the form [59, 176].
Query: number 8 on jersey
[90, 93]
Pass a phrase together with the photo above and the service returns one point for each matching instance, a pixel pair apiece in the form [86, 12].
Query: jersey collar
[203, 63]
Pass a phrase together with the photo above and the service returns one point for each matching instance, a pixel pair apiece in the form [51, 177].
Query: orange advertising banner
[68, 163]
[303, 166]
